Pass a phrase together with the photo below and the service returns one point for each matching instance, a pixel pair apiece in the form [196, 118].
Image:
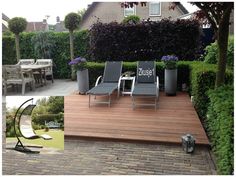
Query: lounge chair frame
[101, 80]
[156, 96]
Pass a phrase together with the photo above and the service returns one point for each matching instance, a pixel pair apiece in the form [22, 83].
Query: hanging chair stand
[27, 132]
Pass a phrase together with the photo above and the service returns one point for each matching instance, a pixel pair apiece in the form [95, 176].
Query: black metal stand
[21, 148]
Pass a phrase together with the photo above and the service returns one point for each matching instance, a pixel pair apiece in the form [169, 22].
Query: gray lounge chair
[110, 82]
[146, 83]
[24, 126]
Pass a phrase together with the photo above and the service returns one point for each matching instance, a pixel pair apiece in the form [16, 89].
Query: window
[154, 9]
[129, 11]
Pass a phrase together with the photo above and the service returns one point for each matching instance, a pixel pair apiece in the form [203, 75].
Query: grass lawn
[56, 142]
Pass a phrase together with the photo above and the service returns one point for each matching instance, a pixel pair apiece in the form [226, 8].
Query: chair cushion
[112, 71]
[145, 90]
[146, 72]
[103, 89]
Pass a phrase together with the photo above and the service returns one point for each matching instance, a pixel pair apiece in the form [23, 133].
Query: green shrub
[211, 53]
[202, 78]
[43, 44]
[8, 50]
[39, 120]
[220, 127]
[10, 132]
[27, 47]
[37, 127]
[131, 19]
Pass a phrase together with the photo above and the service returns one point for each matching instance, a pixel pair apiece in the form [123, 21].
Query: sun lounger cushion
[103, 89]
[146, 72]
[145, 90]
[46, 137]
[112, 72]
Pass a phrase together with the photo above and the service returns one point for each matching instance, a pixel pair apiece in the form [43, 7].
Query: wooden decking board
[174, 117]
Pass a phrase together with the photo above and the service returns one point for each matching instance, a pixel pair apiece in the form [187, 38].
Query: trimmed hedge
[40, 119]
[202, 78]
[220, 125]
[96, 69]
[60, 53]
[145, 40]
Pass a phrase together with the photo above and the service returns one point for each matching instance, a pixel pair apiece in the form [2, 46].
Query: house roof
[181, 7]
[94, 4]
[89, 11]
[4, 22]
[4, 17]
[60, 27]
[36, 26]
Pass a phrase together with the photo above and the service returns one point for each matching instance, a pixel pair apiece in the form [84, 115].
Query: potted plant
[80, 65]
[170, 64]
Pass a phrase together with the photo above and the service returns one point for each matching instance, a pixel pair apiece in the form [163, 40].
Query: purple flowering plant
[170, 61]
[79, 63]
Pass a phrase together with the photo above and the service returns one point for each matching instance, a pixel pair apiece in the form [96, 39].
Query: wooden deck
[174, 117]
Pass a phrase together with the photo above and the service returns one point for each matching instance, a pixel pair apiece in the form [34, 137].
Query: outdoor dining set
[27, 72]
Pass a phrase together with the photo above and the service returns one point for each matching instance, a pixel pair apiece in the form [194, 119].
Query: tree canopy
[72, 21]
[17, 25]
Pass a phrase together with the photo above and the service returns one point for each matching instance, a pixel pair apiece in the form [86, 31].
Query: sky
[16, 101]
[37, 10]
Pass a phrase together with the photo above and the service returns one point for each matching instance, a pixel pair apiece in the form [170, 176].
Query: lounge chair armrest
[132, 87]
[157, 82]
[119, 82]
[97, 81]
[157, 90]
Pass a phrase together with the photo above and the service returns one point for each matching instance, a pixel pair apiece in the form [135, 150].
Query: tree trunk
[73, 72]
[17, 37]
[222, 41]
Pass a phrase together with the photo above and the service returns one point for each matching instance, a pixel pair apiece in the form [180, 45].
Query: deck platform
[174, 117]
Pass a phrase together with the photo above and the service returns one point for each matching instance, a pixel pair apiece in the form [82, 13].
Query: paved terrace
[83, 157]
[174, 117]
[58, 88]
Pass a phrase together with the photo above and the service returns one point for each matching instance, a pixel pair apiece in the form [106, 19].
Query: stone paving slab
[60, 87]
[86, 157]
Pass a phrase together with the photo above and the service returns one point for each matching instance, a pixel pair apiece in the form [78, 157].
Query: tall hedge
[202, 78]
[145, 41]
[60, 53]
[220, 124]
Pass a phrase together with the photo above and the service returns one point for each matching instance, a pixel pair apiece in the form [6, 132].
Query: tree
[218, 15]
[56, 104]
[17, 25]
[72, 21]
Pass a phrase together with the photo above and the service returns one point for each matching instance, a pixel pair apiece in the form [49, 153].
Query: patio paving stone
[60, 87]
[111, 158]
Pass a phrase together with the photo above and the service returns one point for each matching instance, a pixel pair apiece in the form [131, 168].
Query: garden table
[39, 68]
